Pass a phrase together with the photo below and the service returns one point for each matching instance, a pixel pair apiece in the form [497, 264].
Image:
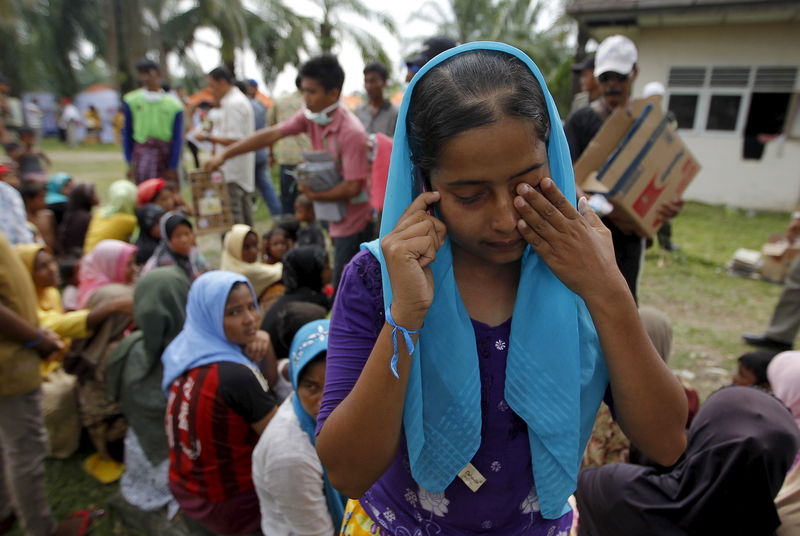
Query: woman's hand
[409, 250]
[575, 245]
[259, 348]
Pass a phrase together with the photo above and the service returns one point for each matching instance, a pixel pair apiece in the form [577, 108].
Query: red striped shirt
[209, 416]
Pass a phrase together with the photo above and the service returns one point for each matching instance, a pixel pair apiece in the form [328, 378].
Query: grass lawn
[709, 308]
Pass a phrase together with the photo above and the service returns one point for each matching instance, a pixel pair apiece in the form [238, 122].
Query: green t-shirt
[153, 114]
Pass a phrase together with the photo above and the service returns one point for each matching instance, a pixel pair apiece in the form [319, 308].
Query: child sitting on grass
[752, 370]
[276, 243]
[310, 232]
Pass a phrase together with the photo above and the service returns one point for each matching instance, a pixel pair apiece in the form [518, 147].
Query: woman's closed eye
[468, 198]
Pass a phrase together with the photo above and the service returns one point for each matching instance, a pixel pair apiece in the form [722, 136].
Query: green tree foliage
[63, 45]
[512, 22]
[333, 28]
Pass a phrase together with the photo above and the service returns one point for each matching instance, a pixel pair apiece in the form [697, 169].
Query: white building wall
[772, 183]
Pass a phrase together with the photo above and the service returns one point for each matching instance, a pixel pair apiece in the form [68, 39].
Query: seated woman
[116, 219]
[155, 191]
[305, 272]
[112, 261]
[72, 231]
[608, 443]
[240, 255]
[784, 378]
[218, 404]
[58, 189]
[46, 278]
[741, 444]
[293, 490]
[149, 217]
[61, 413]
[134, 375]
[177, 247]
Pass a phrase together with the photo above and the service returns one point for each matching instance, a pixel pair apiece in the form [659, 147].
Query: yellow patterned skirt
[356, 522]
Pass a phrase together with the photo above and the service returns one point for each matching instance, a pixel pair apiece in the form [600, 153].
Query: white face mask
[321, 118]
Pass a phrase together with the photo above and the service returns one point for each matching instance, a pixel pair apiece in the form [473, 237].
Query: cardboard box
[212, 207]
[777, 255]
[639, 163]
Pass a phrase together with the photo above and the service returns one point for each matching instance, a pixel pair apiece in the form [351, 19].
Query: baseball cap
[615, 54]
[431, 48]
[587, 63]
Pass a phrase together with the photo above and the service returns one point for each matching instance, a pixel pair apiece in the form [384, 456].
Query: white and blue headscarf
[202, 340]
[308, 343]
[555, 372]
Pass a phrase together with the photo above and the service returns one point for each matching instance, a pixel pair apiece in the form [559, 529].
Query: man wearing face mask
[333, 129]
[615, 70]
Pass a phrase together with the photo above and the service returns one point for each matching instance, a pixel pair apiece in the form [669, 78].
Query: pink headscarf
[107, 263]
[783, 374]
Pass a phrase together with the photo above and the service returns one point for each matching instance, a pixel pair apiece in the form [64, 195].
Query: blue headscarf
[202, 340]
[54, 187]
[308, 343]
[555, 372]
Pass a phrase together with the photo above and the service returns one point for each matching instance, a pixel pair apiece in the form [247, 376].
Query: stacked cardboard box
[639, 163]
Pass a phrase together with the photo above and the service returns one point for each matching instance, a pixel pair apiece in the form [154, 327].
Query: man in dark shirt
[615, 70]
[377, 114]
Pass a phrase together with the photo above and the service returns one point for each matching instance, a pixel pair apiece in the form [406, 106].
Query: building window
[685, 109]
[755, 102]
[723, 111]
[766, 120]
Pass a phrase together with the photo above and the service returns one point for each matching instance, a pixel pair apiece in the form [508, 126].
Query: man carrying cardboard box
[615, 70]
[785, 321]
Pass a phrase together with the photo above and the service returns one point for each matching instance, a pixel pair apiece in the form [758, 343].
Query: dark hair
[173, 221]
[290, 224]
[376, 67]
[145, 65]
[30, 189]
[471, 90]
[757, 363]
[221, 73]
[66, 268]
[234, 287]
[293, 316]
[326, 70]
[165, 86]
[275, 231]
[11, 146]
[241, 85]
[303, 267]
[298, 81]
[25, 131]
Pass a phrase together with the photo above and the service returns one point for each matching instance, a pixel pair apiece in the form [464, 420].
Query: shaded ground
[708, 307]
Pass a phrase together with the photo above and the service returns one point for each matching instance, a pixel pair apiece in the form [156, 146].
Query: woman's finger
[557, 198]
[534, 221]
[550, 203]
[538, 243]
[421, 203]
[423, 248]
[588, 214]
[425, 227]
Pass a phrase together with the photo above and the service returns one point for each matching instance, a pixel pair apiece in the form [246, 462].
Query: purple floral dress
[507, 502]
